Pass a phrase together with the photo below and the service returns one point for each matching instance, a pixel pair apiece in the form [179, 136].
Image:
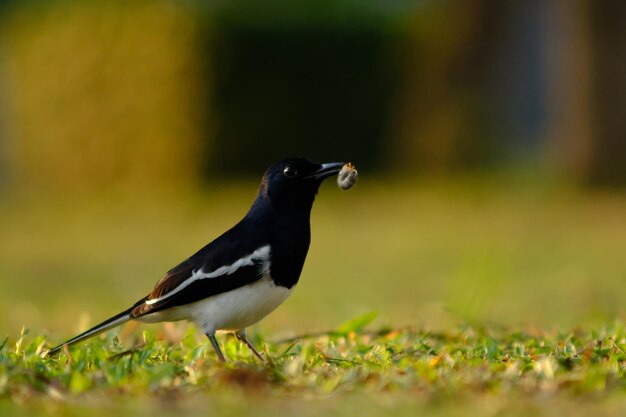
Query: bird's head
[294, 182]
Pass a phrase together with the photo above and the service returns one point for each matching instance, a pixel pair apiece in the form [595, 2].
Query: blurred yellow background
[488, 134]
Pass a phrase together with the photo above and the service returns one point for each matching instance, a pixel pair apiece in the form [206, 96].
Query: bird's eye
[290, 171]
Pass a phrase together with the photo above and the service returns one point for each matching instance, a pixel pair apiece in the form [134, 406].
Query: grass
[392, 366]
[492, 298]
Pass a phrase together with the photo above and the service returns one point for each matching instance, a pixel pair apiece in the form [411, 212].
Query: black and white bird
[244, 274]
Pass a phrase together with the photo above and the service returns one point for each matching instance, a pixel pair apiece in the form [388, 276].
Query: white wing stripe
[262, 254]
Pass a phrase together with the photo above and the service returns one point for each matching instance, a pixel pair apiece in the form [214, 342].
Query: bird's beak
[327, 170]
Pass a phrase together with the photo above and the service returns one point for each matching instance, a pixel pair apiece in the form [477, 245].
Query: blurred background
[489, 135]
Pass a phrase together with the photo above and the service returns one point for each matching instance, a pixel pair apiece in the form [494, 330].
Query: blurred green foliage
[110, 94]
[103, 94]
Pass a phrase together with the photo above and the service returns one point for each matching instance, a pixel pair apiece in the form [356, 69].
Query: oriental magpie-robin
[244, 274]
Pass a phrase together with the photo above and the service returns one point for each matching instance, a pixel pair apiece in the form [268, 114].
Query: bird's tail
[114, 321]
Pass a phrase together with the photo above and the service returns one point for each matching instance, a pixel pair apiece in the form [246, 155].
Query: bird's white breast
[233, 310]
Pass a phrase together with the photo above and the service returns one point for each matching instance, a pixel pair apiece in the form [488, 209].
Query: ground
[472, 297]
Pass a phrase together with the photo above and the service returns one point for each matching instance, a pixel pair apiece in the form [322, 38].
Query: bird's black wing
[229, 262]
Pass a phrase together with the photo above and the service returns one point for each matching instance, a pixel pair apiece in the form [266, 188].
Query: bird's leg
[216, 346]
[241, 335]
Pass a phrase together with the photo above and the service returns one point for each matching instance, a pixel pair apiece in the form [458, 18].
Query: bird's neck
[294, 212]
[289, 232]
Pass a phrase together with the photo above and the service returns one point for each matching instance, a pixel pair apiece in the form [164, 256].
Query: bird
[244, 274]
